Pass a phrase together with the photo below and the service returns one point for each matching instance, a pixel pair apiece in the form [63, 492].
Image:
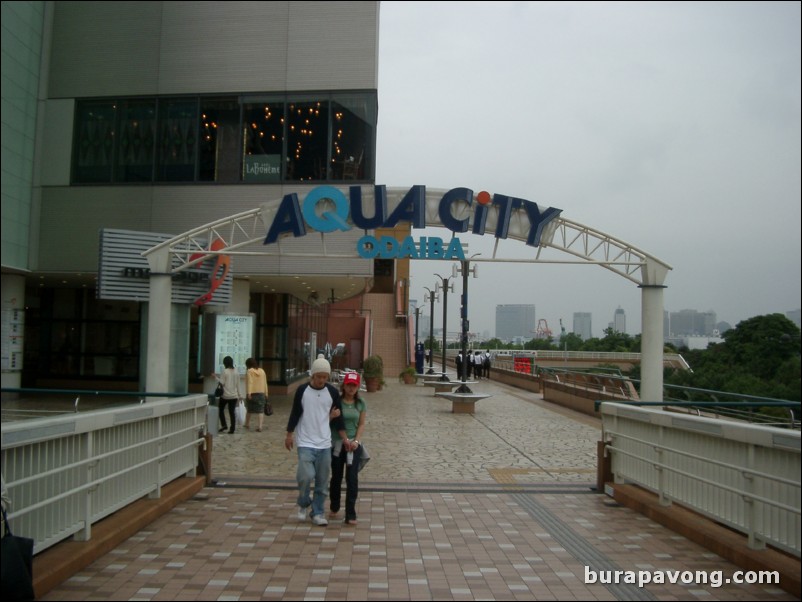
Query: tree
[760, 356]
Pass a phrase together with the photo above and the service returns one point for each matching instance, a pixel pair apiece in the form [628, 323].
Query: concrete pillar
[651, 366]
[157, 379]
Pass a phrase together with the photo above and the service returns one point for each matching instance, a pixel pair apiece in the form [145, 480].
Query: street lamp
[465, 269]
[443, 284]
[431, 297]
[417, 318]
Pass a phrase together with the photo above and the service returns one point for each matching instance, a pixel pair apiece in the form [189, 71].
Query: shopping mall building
[127, 125]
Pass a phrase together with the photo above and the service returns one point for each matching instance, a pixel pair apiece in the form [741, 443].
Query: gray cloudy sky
[672, 126]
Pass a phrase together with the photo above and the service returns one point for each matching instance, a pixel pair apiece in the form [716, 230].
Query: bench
[462, 403]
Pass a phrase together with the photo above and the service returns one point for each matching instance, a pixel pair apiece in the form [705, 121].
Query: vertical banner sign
[13, 333]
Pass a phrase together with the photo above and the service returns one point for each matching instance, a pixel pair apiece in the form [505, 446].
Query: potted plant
[373, 371]
[408, 375]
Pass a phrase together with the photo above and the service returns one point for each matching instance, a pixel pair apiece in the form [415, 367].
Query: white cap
[320, 365]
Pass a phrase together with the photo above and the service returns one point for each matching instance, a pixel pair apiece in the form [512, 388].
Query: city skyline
[478, 333]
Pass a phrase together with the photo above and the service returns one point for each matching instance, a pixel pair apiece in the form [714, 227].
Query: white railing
[67, 472]
[743, 475]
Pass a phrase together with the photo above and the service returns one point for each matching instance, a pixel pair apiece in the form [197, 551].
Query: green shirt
[351, 413]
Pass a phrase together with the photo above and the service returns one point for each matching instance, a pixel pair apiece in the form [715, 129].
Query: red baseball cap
[351, 378]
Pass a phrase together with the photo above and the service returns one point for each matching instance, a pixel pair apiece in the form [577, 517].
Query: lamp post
[465, 269]
[417, 318]
[565, 345]
[431, 297]
[443, 284]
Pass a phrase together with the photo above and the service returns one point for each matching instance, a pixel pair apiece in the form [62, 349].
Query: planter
[372, 384]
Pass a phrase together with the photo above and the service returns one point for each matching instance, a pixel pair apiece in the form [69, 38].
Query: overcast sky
[672, 126]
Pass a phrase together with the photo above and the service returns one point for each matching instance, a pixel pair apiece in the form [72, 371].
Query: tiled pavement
[498, 505]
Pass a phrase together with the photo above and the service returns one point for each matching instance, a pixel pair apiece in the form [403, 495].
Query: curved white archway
[507, 217]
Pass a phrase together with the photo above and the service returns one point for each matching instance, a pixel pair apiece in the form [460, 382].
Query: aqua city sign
[293, 217]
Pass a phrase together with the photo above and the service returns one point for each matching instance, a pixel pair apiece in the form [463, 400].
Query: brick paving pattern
[499, 505]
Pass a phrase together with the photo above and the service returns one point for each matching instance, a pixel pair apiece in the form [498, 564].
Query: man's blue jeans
[313, 465]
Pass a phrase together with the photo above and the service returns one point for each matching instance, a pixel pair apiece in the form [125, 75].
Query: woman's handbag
[268, 409]
[17, 565]
[218, 392]
[240, 413]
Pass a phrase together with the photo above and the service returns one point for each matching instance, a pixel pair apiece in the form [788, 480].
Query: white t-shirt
[313, 428]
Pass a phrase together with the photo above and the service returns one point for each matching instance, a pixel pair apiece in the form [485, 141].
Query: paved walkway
[499, 505]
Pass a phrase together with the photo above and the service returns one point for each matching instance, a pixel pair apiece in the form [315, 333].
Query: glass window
[178, 140]
[353, 122]
[219, 152]
[307, 136]
[263, 128]
[136, 140]
[94, 141]
[264, 138]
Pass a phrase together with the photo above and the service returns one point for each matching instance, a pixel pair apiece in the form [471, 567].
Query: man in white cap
[316, 409]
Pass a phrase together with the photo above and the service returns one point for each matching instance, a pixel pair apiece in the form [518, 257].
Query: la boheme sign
[343, 212]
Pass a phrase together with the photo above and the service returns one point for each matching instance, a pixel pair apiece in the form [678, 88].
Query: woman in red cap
[353, 412]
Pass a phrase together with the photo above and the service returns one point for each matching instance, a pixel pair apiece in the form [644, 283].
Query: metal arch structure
[587, 245]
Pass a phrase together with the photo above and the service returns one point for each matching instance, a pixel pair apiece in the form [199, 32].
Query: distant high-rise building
[582, 325]
[691, 322]
[515, 321]
[619, 321]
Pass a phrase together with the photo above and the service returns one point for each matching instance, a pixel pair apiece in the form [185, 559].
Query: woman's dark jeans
[338, 466]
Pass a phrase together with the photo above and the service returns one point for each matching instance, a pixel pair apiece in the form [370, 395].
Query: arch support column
[651, 366]
[157, 377]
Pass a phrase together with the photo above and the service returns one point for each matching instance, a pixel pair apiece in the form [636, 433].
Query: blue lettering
[292, 217]
[327, 221]
[435, 250]
[444, 210]
[287, 219]
[408, 248]
[538, 221]
[412, 208]
[367, 247]
[506, 206]
[387, 247]
[379, 208]
[454, 250]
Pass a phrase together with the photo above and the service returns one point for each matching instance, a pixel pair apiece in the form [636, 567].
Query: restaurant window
[264, 139]
[178, 140]
[353, 121]
[219, 152]
[307, 137]
[263, 129]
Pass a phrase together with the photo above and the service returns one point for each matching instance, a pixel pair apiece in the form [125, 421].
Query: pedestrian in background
[255, 393]
[231, 395]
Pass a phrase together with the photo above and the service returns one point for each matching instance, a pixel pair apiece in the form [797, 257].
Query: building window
[94, 141]
[307, 136]
[136, 140]
[263, 129]
[219, 152]
[246, 139]
[178, 140]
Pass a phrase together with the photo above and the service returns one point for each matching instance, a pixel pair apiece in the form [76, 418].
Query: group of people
[325, 426]
[476, 363]
[255, 394]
